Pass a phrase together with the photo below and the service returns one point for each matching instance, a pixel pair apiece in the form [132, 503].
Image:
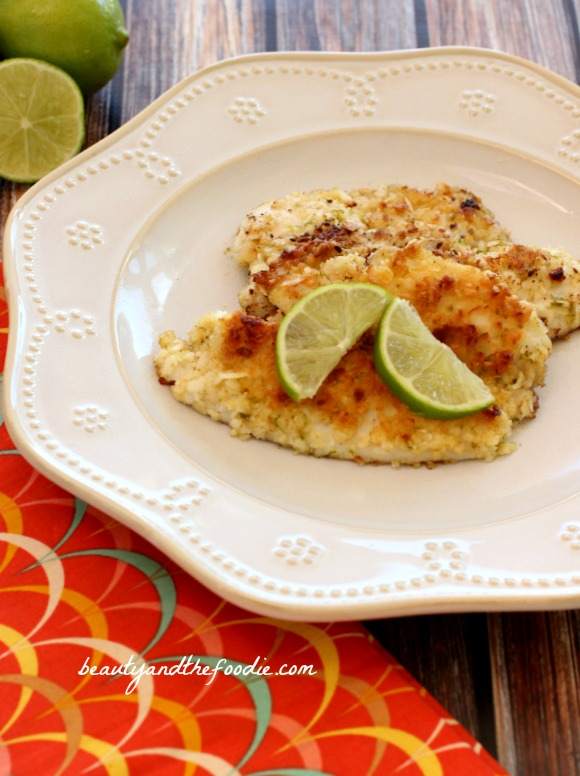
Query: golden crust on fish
[315, 226]
[226, 369]
[548, 279]
[448, 217]
[496, 334]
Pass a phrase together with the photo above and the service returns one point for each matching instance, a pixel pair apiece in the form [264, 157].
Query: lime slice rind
[41, 119]
[320, 329]
[423, 372]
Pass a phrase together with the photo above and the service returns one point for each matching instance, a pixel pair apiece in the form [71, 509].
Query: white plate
[128, 240]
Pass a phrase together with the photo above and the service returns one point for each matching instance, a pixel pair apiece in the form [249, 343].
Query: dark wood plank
[345, 25]
[159, 50]
[572, 12]
[540, 30]
[536, 674]
[449, 655]
[231, 28]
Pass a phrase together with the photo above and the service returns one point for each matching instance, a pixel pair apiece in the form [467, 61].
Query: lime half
[320, 329]
[41, 119]
[423, 372]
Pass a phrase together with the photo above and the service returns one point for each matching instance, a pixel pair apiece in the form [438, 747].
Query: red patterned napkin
[79, 590]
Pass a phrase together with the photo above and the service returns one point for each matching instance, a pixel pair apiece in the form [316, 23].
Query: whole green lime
[85, 38]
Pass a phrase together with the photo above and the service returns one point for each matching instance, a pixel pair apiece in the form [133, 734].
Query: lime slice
[423, 372]
[320, 329]
[41, 119]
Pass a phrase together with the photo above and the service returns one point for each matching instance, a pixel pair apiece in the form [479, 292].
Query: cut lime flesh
[320, 329]
[41, 119]
[423, 372]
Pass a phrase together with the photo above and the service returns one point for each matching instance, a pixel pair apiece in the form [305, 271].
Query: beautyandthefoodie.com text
[192, 665]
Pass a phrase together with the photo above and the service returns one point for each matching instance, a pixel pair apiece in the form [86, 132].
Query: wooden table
[512, 679]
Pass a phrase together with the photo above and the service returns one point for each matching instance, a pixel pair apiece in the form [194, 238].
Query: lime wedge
[41, 119]
[320, 329]
[423, 372]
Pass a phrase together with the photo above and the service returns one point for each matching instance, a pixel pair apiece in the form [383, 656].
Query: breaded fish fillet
[496, 334]
[448, 217]
[444, 252]
[452, 222]
[226, 369]
[548, 279]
